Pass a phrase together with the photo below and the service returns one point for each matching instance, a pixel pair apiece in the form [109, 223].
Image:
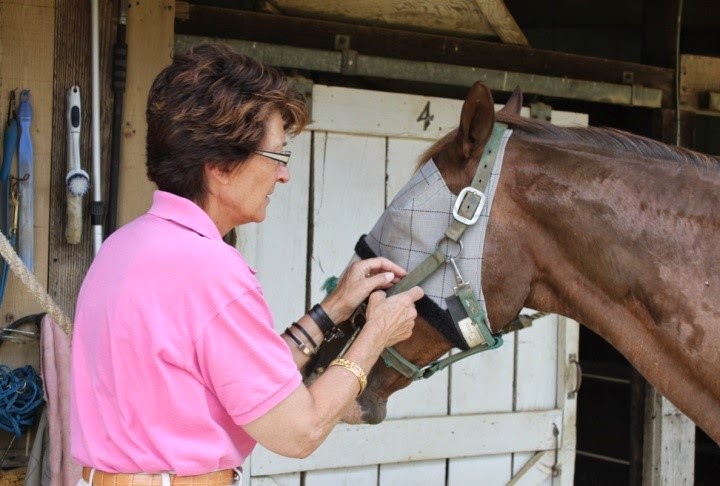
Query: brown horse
[616, 231]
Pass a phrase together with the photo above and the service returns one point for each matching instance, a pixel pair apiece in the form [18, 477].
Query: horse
[616, 231]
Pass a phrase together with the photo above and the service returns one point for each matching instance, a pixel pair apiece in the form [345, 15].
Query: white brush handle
[77, 180]
[74, 123]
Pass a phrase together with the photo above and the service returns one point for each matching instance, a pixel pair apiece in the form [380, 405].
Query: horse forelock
[607, 140]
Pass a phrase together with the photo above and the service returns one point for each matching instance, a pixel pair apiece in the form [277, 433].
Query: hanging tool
[10, 143]
[26, 184]
[96, 208]
[77, 180]
[119, 71]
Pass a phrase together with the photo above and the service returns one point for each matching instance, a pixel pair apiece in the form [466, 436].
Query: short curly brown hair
[210, 106]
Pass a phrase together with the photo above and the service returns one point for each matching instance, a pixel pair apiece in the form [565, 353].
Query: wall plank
[73, 66]
[27, 36]
[277, 247]
[419, 439]
[150, 23]
[349, 176]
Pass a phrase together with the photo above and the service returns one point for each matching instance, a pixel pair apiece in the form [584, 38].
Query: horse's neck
[598, 231]
[629, 249]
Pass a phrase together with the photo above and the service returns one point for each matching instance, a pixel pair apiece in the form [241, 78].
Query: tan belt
[216, 478]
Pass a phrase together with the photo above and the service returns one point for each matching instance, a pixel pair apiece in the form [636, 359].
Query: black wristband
[300, 345]
[306, 334]
[323, 321]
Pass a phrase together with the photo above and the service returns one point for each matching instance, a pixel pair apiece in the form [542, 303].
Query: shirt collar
[184, 212]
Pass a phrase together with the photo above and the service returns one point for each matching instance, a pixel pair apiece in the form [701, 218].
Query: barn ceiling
[488, 19]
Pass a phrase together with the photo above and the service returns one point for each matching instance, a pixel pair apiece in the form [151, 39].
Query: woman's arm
[301, 422]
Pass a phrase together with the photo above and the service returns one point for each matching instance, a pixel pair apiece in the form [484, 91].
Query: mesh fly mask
[413, 227]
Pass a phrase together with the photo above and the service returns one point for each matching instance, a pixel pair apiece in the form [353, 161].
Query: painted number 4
[425, 116]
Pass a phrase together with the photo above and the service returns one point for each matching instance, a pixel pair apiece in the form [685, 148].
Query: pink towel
[55, 369]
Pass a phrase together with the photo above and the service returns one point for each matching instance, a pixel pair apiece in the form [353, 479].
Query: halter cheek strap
[474, 327]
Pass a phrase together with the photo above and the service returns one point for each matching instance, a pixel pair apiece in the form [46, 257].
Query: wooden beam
[453, 17]
[502, 22]
[374, 67]
[319, 34]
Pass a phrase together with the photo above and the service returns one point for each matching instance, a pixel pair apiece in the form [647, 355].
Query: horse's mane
[608, 141]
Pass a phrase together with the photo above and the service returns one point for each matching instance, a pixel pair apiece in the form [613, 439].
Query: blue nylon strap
[26, 193]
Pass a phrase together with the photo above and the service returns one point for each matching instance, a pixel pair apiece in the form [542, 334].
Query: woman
[177, 371]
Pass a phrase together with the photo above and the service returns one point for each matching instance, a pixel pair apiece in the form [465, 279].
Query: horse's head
[456, 156]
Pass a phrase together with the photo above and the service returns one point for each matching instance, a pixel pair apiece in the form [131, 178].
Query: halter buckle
[468, 205]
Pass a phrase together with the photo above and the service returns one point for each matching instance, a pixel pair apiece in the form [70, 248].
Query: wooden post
[669, 448]
[150, 37]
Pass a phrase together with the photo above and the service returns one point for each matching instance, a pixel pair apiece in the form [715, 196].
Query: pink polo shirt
[173, 349]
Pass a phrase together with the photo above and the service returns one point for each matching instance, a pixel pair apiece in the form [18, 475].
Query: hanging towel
[55, 369]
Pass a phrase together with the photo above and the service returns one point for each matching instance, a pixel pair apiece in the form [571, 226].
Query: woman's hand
[393, 318]
[357, 282]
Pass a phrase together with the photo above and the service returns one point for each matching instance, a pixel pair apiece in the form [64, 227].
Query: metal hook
[573, 359]
[11, 333]
[447, 256]
[555, 468]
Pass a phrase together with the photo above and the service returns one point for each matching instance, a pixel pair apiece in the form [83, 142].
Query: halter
[467, 315]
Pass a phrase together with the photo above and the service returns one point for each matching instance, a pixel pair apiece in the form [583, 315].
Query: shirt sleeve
[244, 361]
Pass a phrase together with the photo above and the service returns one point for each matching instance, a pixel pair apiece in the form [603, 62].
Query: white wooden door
[505, 416]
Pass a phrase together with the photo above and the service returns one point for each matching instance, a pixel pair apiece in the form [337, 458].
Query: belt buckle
[479, 198]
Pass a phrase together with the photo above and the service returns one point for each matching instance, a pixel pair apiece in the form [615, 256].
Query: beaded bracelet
[300, 345]
[323, 321]
[353, 368]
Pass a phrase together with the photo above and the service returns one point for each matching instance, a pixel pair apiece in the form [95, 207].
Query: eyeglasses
[282, 157]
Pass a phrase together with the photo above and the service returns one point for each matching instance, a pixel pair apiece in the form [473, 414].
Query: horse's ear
[476, 118]
[514, 104]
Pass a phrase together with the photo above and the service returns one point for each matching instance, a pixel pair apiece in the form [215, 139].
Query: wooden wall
[27, 42]
[45, 46]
